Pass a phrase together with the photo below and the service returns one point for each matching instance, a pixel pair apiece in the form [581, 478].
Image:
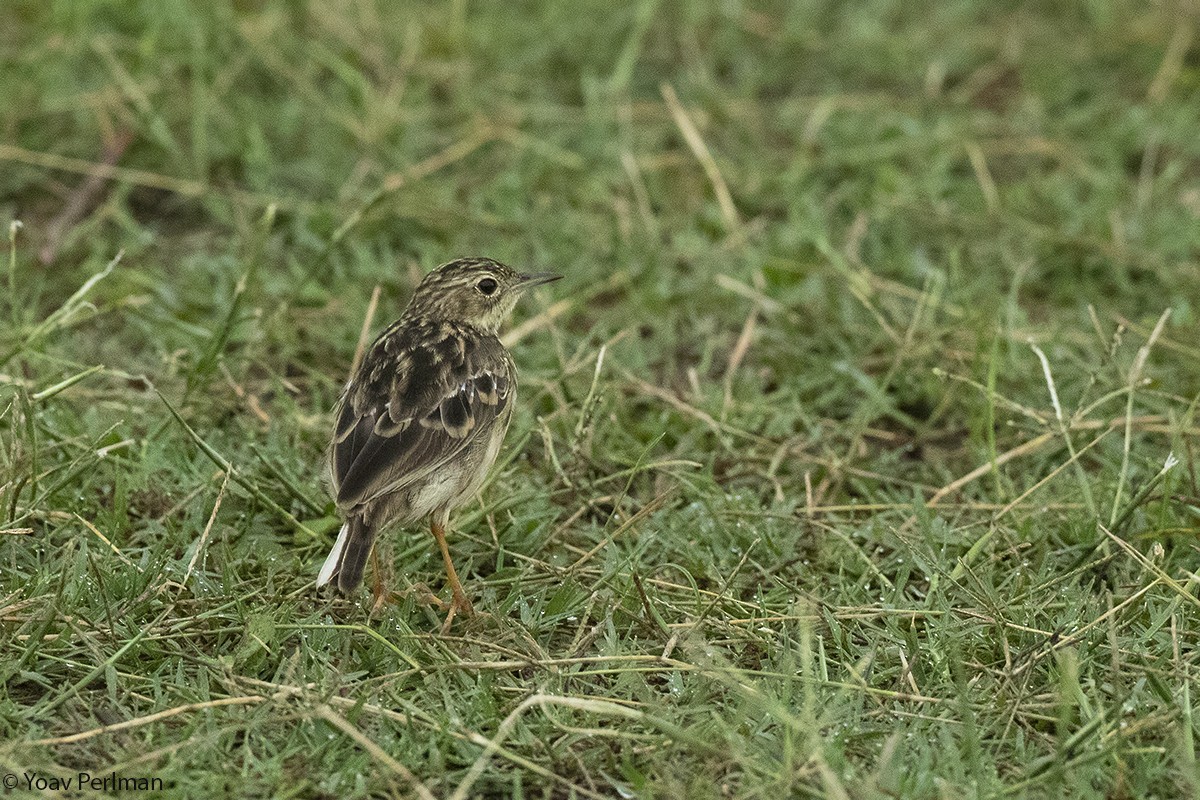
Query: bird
[422, 418]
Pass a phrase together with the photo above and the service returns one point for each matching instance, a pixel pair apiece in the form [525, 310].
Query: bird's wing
[416, 402]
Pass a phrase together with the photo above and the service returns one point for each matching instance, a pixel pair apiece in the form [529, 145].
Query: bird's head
[476, 291]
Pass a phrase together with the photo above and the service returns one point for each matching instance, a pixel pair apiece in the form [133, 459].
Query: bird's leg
[460, 603]
[379, 592]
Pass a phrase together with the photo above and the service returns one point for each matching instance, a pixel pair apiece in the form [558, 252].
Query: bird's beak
[536, 279]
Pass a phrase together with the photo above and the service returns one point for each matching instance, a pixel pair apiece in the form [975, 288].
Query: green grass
[813, 525]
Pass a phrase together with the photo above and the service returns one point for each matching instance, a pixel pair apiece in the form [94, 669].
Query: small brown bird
[421, 420]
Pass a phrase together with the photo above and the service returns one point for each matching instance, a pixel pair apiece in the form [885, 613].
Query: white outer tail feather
[335, 555]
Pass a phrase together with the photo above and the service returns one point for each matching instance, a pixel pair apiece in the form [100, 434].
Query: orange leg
[460, 603]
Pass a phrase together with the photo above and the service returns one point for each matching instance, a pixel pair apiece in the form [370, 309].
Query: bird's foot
[379, 599]
[458, 605]
[424, 595]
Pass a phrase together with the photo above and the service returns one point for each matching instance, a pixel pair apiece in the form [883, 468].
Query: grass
[838, 469]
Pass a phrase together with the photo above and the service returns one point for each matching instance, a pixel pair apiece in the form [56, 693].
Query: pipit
[421, 420]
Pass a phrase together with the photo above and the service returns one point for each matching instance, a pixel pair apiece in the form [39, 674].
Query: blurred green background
[838, 468]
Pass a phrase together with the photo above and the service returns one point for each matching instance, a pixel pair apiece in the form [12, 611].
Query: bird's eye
[487, 286]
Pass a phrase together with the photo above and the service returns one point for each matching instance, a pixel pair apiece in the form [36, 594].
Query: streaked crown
[479, 292]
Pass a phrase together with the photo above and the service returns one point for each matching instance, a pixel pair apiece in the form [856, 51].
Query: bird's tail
[348, 557]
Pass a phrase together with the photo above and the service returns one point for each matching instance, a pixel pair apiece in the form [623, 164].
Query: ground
[854, 456]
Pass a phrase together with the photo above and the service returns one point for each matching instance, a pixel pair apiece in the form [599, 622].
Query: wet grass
[839, 465]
